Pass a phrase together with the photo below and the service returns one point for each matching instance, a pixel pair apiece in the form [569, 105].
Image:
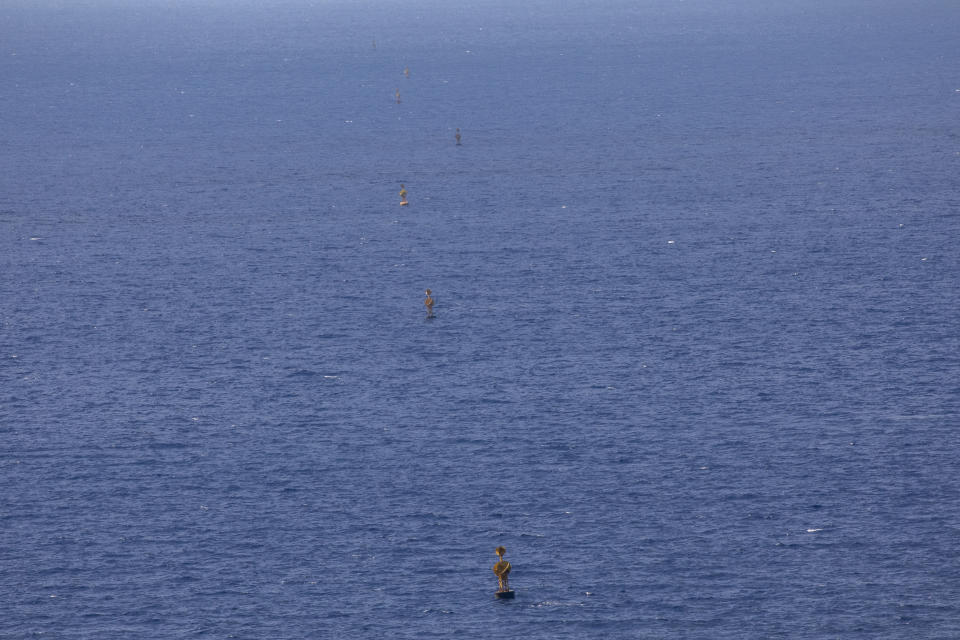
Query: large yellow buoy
[502, 571]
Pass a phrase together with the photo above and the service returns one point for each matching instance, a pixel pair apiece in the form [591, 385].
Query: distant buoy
[505, 595]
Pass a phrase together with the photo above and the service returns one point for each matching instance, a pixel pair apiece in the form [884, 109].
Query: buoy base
[505, 595]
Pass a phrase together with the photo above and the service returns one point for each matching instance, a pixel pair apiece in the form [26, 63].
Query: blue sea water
[695, 354]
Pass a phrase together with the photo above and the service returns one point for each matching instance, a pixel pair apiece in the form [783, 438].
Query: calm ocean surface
[696, 359]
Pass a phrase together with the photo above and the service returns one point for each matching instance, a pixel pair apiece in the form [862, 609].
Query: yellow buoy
[502, 571]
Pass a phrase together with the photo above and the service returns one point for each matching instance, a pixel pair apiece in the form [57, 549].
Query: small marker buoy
[428, 303]
[502, 571]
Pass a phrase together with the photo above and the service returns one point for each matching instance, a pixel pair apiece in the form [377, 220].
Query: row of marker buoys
[502, 568]
[396, 94]
[429, 301]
